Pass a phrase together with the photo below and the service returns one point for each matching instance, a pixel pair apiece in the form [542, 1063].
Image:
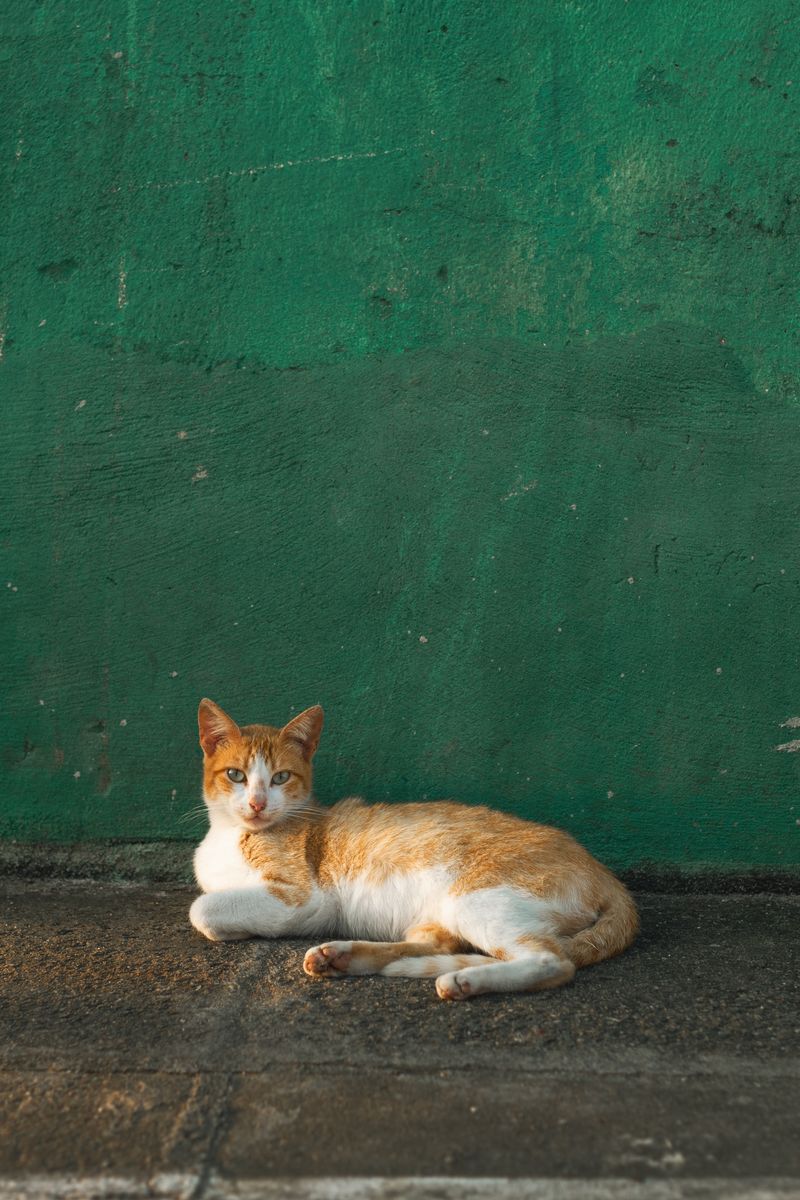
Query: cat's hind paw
[454, 986]
[328, 960]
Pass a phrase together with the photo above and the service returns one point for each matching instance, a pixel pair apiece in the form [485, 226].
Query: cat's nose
[257, 803]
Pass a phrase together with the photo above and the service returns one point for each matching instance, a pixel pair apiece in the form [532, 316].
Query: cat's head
[256, 776]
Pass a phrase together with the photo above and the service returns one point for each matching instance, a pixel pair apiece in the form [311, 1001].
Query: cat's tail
[613, 931]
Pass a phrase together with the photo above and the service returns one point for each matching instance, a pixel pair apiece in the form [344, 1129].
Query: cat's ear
[215, 725]
[305, 730]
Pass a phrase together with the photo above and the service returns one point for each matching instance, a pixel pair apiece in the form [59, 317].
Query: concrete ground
[138, 1059]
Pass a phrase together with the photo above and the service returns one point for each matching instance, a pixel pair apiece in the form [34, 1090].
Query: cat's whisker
[304, 814]
[310, 811]
[194, 814]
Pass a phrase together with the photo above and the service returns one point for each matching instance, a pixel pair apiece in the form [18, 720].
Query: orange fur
[593, 917]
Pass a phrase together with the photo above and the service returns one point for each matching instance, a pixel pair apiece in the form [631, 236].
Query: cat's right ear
[304, 731]
[215, 725]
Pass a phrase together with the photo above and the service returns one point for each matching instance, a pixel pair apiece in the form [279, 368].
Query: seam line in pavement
[538, 1070]
[184, 1185]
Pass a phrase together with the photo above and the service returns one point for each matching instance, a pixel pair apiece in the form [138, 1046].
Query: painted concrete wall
[435, 362]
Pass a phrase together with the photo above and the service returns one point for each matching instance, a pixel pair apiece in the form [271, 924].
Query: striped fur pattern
[479, 900]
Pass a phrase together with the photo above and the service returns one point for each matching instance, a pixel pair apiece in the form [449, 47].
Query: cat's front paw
[454, 986]
[208, 914]
[329, 960]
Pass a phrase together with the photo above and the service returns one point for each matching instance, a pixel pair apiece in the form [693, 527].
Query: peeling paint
[122, 284]
[520, 488]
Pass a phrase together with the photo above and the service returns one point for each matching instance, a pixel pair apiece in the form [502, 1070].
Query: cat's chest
[219, 863]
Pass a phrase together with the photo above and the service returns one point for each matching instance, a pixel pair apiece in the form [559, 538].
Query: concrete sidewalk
[138, 1060]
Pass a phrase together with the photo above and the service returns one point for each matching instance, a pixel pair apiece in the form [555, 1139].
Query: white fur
[255, 912]
[220, 864]
[495, 918]
[384, 911]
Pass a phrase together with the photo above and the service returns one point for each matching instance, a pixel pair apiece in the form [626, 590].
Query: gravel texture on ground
[137, 1058]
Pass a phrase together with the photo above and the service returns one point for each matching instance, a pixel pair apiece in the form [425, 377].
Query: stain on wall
[434, 363]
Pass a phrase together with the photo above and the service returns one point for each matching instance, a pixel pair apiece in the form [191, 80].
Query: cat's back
[472, 842]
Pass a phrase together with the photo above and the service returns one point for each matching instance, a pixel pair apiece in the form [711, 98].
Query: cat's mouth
[258, 821]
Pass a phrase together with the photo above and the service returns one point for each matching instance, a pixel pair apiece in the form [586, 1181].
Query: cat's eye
[235, 775]
[280, 777]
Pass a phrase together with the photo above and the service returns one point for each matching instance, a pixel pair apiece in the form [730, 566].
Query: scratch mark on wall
[244, 172]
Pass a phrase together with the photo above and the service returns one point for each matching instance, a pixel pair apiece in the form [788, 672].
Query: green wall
[434, 362]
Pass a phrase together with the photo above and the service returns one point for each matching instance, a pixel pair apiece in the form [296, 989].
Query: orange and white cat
[482, 900]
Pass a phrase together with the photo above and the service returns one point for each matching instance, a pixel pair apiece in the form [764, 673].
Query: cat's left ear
[305, 730]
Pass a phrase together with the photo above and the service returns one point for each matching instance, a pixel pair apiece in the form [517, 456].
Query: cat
[479, 899]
